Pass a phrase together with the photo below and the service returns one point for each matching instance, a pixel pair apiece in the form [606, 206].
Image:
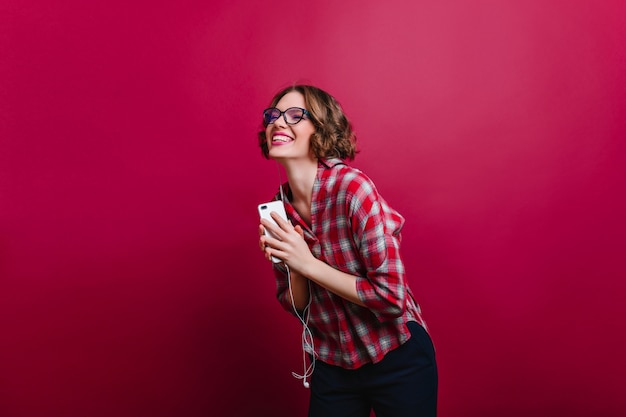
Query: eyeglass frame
[305, 113]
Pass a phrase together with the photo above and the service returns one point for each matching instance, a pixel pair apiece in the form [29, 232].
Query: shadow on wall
[163, 331]
[247, 344]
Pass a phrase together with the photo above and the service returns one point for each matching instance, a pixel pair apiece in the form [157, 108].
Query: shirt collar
[331, 162]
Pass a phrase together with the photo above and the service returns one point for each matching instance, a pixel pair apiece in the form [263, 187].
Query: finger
[274, 229]
[269, 253]
[298, 229]
[282, 223]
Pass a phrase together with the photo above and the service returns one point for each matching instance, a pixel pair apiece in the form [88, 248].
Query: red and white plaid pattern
[357, 232]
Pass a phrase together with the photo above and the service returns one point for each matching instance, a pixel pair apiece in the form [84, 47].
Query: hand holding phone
[264, 212]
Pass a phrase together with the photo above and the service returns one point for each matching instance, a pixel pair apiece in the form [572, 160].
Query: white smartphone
[264, 212]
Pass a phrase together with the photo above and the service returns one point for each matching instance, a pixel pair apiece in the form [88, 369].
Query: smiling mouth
[281, 139]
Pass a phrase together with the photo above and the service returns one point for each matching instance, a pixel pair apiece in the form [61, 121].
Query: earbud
[306, 384]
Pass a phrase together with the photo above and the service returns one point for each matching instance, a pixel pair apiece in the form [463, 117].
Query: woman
[341, 267]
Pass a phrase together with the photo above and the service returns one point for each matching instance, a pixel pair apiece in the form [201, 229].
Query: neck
[301, 176]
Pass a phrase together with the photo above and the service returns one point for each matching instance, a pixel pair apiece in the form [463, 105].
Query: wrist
[309, 268]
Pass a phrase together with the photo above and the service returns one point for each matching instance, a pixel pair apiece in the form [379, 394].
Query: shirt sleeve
[282, 287]
[376, 233]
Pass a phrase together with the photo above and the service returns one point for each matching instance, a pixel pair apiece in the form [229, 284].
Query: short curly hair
[333, 136]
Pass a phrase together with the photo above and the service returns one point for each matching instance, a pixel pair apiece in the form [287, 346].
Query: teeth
[281, 138]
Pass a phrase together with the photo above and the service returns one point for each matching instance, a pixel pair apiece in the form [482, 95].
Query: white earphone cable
[307, 337]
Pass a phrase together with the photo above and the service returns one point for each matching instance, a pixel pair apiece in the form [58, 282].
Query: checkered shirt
[354, 230]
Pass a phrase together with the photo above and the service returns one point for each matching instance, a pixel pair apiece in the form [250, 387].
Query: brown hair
[333, 137]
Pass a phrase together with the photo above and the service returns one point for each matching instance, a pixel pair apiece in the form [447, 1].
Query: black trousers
[403, 384]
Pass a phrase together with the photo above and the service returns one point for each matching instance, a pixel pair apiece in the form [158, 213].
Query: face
[290, 141]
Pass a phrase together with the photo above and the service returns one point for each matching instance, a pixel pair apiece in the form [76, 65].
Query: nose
[280, 122]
